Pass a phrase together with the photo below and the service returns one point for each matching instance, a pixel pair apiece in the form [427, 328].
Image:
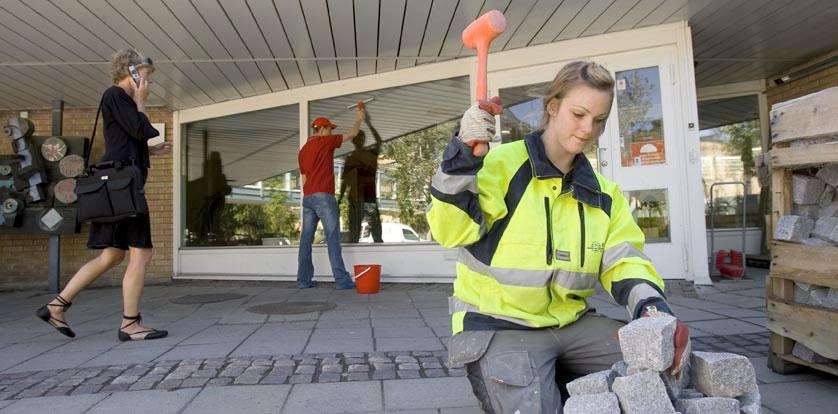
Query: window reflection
[639, 112]
[390, 170]
[241, 183]
[650, 209]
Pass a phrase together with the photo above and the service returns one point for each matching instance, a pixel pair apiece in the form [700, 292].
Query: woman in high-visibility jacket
[537, 228]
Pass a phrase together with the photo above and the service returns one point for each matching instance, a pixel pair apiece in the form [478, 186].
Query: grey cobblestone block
[379, 358]
[793, 228]
[300, 379]
[384, 365]
[805, 353]
[358, 376]
[405, 374]
[219, 382]
[141, 385]
[434, 373]
[647, 343]
[232, 371]
[330, 361]
[57, 391]
[86, 389]
[180, 373]
[354, 361]
[750, 403]
[602, 403]
[690, 393]
[35, 392]
[263, 362]
[308, 361]
[138, 370]
[410, 366]
[827, 196]
[205, 373]
[830, 210]
[431, 365]
[825, 228]
[274, 380]
[405, 359]
[457, 372]
[284, 363]
[642, 393]
[305, 369]
[287, 371]
[384, 375]
[97, 380]
[194, 382]
[806, 189]
[324, 356]
[125, 379]
[72, 382]
[354, 355]
[596, 383]
[115, 387]
[620, 368]
[713, 405]
[332, 368]
[247, 379]
[829, 174]
[358, 368]
[168, 384]
[722, 374]
[329, 377]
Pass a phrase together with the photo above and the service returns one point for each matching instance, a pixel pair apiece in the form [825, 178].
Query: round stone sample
[71, 166]
[65, 191]
[54, 149]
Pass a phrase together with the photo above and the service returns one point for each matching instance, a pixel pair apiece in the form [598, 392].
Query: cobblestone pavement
[387, 350]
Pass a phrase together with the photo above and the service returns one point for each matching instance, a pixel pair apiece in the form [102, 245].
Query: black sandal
[46, 316]
[152, 333]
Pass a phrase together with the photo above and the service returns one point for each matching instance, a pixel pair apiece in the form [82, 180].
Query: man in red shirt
[317, 168]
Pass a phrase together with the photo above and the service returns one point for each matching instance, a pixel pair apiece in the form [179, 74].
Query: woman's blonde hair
[122, 59]
[574, 74]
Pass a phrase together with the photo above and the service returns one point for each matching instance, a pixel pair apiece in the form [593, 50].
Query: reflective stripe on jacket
[533, 242]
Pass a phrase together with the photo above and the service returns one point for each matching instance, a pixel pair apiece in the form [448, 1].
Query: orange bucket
[367, 278]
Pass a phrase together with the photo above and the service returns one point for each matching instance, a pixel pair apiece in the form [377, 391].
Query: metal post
[54, 255]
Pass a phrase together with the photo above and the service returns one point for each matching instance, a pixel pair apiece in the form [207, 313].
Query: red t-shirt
[316, 160]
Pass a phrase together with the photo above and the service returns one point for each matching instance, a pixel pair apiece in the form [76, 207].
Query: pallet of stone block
[791, 323]
[811, 116]
[815, 265]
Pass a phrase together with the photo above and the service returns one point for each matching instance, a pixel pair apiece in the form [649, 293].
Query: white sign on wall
[160, 138]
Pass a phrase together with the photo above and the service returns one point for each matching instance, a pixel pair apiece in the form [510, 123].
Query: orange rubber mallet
[479, 35]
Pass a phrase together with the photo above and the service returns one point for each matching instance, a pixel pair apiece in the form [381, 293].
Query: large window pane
[650, 209]
[242, 184]
[413, 124]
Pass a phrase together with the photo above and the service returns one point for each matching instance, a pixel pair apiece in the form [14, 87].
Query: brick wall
[799, 87]
[23, 258]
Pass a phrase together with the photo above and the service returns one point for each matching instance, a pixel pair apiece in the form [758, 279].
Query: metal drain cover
[207, 298]
[291, 308]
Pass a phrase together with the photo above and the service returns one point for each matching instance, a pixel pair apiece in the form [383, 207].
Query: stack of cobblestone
[710, 382]
[814, 218]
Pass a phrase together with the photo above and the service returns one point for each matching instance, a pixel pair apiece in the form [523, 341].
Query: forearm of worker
[356, 126]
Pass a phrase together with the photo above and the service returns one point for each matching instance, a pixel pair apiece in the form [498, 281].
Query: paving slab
[408, 344]
[428, 393]
[362, 396]
[811, 397]
[254, 399]
[71, 404]
[157, 402]
[726, 327]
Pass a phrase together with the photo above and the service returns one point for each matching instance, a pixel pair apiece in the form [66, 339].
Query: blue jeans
[321, 207]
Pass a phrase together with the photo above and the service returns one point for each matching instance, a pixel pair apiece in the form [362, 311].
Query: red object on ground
[367, 278]
[729, 263]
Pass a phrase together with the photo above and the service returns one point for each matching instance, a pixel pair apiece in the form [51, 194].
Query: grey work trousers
[518, 369]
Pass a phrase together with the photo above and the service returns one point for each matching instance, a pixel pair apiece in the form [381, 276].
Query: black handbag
[109, 191]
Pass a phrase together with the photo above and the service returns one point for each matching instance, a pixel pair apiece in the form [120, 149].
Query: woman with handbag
[126, 129]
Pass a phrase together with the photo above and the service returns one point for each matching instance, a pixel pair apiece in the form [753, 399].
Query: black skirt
[130, 232]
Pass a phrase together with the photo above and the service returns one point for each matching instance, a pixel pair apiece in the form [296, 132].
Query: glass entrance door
[638, 149]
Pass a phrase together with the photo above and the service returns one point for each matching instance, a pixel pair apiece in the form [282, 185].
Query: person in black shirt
[127, 130]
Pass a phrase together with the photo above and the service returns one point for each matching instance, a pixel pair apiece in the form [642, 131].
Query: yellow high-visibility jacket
[533, 242]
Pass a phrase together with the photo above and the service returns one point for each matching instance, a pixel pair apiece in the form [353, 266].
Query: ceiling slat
[566, 12]
[657, 16]
[227, 34]
[342, 22]
[589, 16]
[413, 29]
[366, 33]
[294, 22]
[636, 14]
[515, 15]
[389, 33]
[245, 24]
[127, 36]
[274, 34]
[609, 17]
[439, 21]
[532, 24]
[316, 16]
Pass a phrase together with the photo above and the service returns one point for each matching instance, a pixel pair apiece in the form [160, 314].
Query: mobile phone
[134, 74]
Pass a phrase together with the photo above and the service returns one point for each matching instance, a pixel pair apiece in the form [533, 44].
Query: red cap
[322, 122]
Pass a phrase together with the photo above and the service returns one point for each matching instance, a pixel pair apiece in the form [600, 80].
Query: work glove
[477, 128]
[681, 339]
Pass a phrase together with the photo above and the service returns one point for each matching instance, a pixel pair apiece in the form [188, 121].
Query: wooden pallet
[812, 116]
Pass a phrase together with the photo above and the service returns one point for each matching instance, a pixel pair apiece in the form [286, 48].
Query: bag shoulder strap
[93, 134]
